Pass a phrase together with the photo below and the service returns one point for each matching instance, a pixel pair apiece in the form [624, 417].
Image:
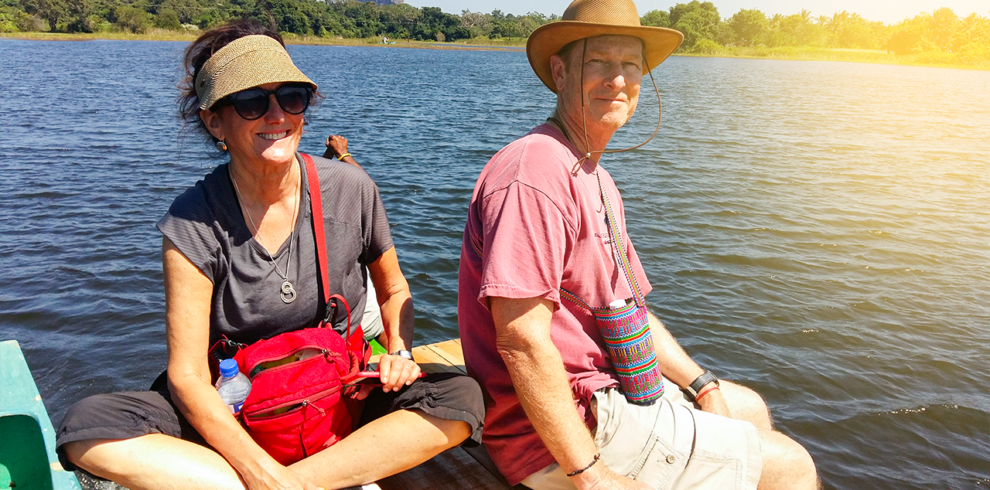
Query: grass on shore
[805, 53]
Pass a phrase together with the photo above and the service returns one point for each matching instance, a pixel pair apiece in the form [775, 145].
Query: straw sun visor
[242, 64]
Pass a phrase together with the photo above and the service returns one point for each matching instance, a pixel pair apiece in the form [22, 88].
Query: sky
[888, 11]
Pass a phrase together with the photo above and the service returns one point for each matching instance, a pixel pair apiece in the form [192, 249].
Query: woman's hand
[397, 372]
[277, 477]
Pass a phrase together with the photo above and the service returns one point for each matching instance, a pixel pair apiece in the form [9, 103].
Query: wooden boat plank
[434, 360]
[457, 468]
[450, 350]
[453, 469]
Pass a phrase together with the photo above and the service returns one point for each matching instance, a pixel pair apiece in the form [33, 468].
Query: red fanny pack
[298, 404]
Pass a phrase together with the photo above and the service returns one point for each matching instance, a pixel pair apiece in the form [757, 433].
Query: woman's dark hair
[200, 51]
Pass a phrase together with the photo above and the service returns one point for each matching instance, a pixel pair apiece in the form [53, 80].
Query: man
[537, 257]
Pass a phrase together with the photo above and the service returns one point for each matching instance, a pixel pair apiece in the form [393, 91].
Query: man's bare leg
[786, 464]
[746, 404]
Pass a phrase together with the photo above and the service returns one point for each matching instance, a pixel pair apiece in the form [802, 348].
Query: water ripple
[817, 231]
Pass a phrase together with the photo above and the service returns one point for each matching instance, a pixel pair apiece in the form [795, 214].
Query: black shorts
[132, 414]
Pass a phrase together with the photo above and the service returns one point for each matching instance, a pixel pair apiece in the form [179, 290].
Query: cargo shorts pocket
[658, 465]
[710, 471]
[628, 441]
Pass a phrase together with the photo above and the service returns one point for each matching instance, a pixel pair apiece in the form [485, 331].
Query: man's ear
[212, 122]
[559, 71]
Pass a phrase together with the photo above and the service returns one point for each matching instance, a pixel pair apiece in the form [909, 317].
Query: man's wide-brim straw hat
[246, 62]
[590, 18]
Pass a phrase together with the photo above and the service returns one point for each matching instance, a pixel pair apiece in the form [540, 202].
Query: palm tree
[775, 21]
[838, 22]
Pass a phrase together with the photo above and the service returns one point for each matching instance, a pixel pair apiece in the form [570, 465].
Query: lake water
[818, 231]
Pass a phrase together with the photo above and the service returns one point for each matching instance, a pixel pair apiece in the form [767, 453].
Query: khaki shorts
[668, 445]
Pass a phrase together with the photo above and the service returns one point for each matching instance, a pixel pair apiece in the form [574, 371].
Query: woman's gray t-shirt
[206, 225]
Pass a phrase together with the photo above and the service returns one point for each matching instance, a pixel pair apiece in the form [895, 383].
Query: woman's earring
[221, 145]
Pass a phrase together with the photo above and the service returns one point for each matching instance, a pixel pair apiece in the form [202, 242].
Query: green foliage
[656, 18]
[50, 10]
[167, 19]
[749, 27]
[696, 20]
[81, 13]
[8, 19]
[903, 42]
[132, 19]
[938, 37]
[13, 19]
[707, 46]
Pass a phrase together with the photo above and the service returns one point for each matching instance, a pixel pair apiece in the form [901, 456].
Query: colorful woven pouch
[627, 336]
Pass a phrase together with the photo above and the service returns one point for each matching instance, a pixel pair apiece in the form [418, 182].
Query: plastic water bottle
[233, 386]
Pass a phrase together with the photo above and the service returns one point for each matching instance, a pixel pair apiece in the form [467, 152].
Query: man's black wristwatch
[695, 387]
[402, 353]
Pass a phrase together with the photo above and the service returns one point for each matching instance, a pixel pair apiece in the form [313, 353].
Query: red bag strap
[321, 255]
[321, 239]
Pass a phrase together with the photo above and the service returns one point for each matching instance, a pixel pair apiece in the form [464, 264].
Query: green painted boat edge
[377, 348]
[20, 403]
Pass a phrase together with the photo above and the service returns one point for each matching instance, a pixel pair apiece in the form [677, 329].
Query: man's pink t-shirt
[533, 228]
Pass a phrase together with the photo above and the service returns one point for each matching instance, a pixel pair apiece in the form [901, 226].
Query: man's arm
[537, 371]
[677, 366]
[337, 148]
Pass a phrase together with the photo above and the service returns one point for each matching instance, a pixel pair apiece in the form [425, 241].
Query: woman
[238, 255]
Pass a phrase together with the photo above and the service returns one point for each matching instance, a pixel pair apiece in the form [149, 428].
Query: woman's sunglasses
[253, 103]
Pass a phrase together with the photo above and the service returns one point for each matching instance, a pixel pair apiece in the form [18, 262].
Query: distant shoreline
[164, 35]
[793, 54]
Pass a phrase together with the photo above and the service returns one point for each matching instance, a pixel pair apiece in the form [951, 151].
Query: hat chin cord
[584, 116]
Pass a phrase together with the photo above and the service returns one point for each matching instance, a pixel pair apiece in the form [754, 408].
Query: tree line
[705, 30]
[329, 18]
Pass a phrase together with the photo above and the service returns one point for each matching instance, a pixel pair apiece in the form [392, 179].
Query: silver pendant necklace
[287, 292]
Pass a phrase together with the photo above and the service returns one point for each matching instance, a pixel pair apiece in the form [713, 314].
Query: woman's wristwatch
[402, 353]
[695, 387]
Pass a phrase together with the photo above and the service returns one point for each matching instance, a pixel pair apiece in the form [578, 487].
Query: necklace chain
[287, 291]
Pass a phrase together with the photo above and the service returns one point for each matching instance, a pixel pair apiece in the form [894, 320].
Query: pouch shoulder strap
[619, 250]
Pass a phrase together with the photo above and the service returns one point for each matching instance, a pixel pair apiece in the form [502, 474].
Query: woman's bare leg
[154, 462]
[386, 446]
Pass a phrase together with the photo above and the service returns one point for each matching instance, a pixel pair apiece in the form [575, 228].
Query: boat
[27, 438]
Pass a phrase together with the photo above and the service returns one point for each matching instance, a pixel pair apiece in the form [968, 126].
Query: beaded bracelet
[586, 468]
[342, 156]
[705, 392]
